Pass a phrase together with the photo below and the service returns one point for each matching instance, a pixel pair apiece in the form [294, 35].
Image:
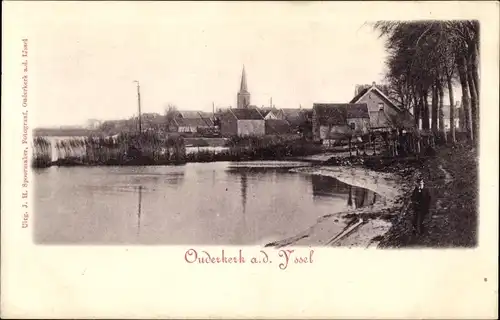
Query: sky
[83, 61]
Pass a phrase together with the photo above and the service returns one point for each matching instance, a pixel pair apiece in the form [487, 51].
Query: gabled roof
[246, 114]
[265, 111]
[292, 112]
[296, 116]
[374, 88]
[193, 122]
[277, 126]
[189, 113]
[338, 113]
[206, 115]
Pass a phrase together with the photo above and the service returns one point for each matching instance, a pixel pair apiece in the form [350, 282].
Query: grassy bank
[452, 178]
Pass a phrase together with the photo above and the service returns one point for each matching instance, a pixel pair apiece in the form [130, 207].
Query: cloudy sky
[84, 58]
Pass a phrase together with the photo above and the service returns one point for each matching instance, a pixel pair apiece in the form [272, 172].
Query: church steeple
[243, 100]
[243, 86]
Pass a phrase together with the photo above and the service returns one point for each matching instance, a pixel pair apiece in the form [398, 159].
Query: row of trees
[427, 59]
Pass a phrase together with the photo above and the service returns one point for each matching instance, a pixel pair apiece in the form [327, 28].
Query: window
[353, 126]
[381, 107]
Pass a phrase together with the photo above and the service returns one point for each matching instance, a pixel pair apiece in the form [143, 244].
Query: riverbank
[451, 176]
[357, 227]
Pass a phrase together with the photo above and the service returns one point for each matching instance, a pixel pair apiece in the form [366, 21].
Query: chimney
[373, 84]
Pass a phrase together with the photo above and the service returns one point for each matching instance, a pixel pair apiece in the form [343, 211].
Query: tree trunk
[473, 101]
[374, 148]
[452, 110]
[434, 114]
[425, 111]
[416, 112]
[462, 73]
[350, 154]
[475, 75]
[442, 128]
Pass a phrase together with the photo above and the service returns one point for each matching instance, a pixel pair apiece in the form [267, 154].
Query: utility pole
[139, 104]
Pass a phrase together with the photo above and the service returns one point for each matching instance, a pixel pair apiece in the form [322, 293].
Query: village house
[277, 127]
[384, 114]
[189, 125]
[271, 113]
[242, 122]
[190, 121]
[295, 116]
[298, 119]
[339, 120]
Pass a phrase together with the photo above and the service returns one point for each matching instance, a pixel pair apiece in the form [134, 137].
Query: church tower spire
[243, 94]
[243, 86]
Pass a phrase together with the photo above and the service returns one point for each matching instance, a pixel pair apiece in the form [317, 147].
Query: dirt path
[447, 175]
[451, 177]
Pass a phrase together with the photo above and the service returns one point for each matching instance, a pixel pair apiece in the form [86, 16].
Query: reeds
[150, 148]
[124, 149]
[42, 153]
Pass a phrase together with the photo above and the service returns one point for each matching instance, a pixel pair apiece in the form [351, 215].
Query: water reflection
[175, 178]
[330, 187]
[244, 188]
[139, 210]
[210, 204]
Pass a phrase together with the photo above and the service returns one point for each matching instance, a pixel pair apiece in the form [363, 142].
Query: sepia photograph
[195, 140]
[238, 155]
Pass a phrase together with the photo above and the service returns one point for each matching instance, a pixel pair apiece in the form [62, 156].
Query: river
[198, 203]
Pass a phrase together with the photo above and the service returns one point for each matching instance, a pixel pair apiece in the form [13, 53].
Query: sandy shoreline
[363, 227]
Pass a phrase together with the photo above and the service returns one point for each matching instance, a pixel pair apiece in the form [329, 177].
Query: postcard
[250, 160]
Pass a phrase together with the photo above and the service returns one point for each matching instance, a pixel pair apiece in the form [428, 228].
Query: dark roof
[359, 95]
[338, 113]
[206, 115]
[328, 113]
[277, 126]
[364, 91]
[295, 116]
[246, 114]
[292, 112]
[189, 113]
[193, 122]
[266, 111]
